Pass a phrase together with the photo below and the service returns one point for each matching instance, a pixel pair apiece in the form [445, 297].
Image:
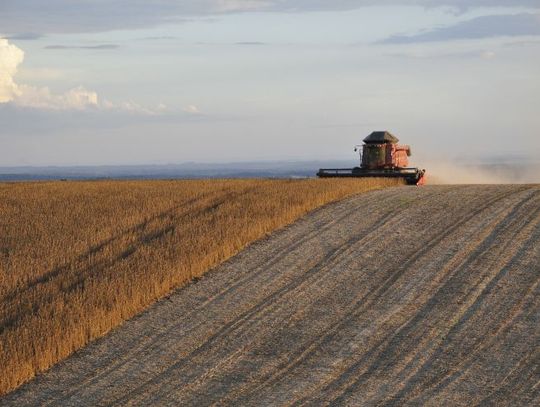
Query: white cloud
[191, 109]
[510, 25]
[132, 107]
[78, 98]
[10, 58]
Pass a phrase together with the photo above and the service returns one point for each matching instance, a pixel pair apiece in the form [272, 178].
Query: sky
[113, 82]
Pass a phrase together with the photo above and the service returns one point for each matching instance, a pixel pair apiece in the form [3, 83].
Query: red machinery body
[381, 156]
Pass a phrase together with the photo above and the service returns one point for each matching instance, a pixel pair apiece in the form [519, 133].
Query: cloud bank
[24, 37]
[61, 16]
[515, 25]
[89, 47]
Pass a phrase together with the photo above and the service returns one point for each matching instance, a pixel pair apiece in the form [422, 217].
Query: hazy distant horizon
[438, 171]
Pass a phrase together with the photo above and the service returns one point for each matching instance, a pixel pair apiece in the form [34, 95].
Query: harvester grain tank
[380, 156]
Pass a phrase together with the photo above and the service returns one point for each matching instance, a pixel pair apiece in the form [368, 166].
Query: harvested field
[78, 258]
[406, 296]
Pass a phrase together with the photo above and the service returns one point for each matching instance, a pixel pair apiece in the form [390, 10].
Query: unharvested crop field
[78, 258]
[405, 296]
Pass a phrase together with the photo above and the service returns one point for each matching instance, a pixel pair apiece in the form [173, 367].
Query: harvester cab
[380, 156]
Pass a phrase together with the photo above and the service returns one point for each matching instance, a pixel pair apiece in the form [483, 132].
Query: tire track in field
[408, 334]
[442, 381]
[407, 296]
[365, 302]
[358, 307]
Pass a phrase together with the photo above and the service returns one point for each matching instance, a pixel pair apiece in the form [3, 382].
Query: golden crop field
[78, 258]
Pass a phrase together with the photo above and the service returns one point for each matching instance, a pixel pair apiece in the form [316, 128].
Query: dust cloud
[446, 172]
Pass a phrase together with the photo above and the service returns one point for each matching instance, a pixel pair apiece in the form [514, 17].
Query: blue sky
[153, 82]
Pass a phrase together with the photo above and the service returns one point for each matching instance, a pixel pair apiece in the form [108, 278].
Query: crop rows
[79, 258]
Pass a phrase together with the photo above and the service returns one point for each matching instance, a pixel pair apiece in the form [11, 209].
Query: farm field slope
[79, 258]
[405, 296]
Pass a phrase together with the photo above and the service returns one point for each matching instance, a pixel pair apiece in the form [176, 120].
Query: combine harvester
[380, 156]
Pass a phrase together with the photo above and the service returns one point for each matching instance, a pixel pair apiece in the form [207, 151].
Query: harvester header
[380, 156]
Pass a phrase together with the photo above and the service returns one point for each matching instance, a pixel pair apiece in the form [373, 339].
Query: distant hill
[438, 172]
[270, 169]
